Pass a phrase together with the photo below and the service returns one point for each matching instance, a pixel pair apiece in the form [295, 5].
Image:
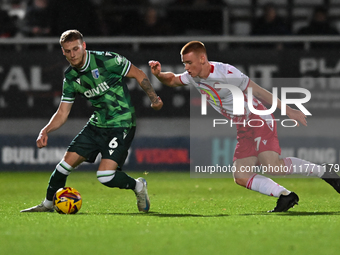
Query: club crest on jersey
[95, 73]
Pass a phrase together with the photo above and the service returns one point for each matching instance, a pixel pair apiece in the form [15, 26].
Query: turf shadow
[158, 214]
[297, 213]
[291, 213]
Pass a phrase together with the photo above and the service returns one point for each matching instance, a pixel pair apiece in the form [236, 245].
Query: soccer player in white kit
[256, 145]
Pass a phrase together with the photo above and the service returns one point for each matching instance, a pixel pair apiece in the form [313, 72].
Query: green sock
[118, 179]
[57, 181]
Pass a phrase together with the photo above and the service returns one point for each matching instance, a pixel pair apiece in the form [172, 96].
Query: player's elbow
[136, 73]
[175, 82]
[140, 75]
[171, 83]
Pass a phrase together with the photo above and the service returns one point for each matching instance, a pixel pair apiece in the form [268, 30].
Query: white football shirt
[221, 73]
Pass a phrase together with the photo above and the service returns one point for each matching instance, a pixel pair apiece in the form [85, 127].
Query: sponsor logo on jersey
[206, 91]
[97, 90]
[95, 73]
[119, 60]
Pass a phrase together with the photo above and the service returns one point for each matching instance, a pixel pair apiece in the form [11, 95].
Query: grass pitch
[187, 216]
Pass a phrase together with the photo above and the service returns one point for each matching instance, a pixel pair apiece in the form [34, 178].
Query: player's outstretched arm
[57, 120]
[266, 96]
[144, 82]
[168, 78]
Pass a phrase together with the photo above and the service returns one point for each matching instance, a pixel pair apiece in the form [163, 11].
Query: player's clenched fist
[155, 67]
[42, 139]
[158, 104]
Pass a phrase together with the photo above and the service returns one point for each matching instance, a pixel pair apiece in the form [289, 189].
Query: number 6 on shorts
[113, 144]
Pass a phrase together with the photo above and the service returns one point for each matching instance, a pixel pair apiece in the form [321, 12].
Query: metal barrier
[136, 41]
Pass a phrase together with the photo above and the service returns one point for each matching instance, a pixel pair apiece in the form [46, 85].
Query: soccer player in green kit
[98, 76]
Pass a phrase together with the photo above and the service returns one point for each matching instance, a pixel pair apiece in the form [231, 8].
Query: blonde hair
[71, 35]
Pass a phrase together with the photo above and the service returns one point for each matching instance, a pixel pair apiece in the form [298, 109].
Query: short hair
[194, 46]
[70, 35]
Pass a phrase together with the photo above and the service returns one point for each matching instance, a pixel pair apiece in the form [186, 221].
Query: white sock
[303, 167]
[48, 203]
[64, 168]
[139, 186]
[266, 186]
[106, 175]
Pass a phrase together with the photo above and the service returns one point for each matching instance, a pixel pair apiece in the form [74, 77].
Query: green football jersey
[101, 81]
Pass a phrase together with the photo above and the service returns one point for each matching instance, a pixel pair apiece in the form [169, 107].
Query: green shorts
[112, 143]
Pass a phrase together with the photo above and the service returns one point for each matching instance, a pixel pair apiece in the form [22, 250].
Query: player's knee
[241, 178]
[273, 167]
[241, 181]
[270, 160]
